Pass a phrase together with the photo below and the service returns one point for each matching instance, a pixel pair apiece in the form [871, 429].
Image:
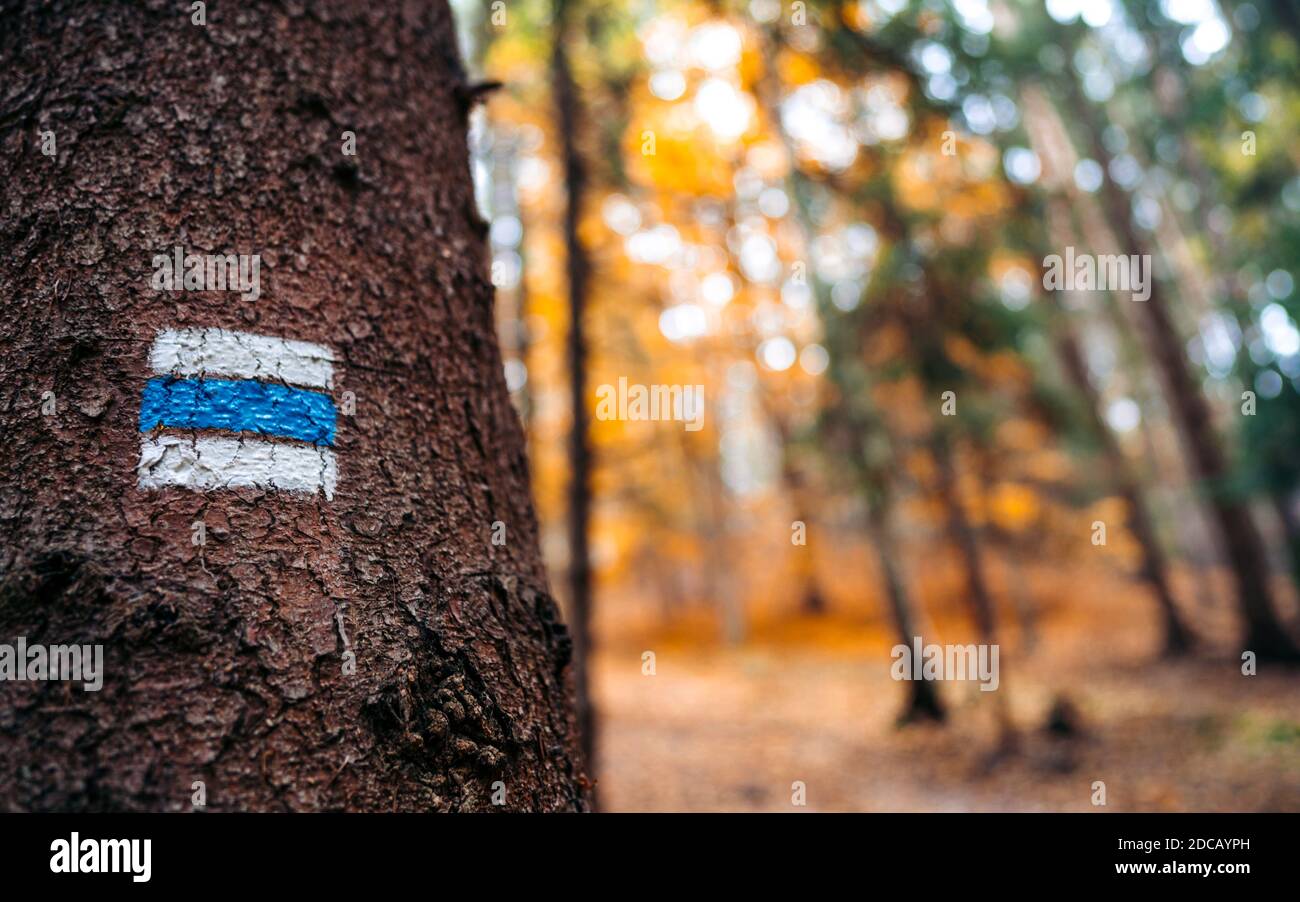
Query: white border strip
[242, 355]
[218, 463]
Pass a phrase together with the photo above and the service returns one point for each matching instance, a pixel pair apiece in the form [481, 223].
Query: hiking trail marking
[261, 391]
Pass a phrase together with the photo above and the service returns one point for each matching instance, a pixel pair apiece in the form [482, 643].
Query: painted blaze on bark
[224, 661]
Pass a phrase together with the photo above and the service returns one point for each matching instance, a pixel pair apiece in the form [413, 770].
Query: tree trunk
[1173, 106]
[1022, 603]
[568, 108]
[963, 536]
[292, 639]
[848, 430]
[1176, 638]
[1242, 542]
[923, 701]
[977, 588]
[1284, 506]
[811, 600]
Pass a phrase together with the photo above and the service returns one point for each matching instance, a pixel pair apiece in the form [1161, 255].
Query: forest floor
[810, 699]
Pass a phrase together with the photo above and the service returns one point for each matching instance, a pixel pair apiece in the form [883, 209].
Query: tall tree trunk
[356, 641]
[811, 599]
[924, 326]
[569, 110]
[1016, 547]
[1053, 145]
[1284, 506]
[978, 595]
[1176, 639]
[963, 536]
[721, 579]
[923, 701]
[1172, 100]
[1242, 542]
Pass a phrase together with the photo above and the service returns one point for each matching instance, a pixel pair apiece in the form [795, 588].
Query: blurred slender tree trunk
[845, 427]
[723, 580]
[924, 324]
[1243, 543]
[570, 117]
[811, 599]
[1022, 602]
[1165, 461]
[1172, 104]
[979, 599]
[229, 618]
[923, 701]
[1176, 638]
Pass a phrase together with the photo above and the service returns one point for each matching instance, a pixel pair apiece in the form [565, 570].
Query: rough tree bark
[224, 661]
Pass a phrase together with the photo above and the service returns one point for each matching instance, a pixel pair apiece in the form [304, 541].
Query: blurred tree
[1243, 545]
[794, 483]
[854, 432]
[570, 119]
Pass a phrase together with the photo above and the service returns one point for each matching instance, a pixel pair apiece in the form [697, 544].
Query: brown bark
[223, 661]
[568, 108]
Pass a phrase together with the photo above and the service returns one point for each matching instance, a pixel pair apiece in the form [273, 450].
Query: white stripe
[216, 463]
[242, 355]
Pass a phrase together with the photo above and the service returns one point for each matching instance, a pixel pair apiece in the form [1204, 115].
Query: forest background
[837, 218]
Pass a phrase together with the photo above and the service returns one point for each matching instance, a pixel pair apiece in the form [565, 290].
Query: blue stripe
[239, 405]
